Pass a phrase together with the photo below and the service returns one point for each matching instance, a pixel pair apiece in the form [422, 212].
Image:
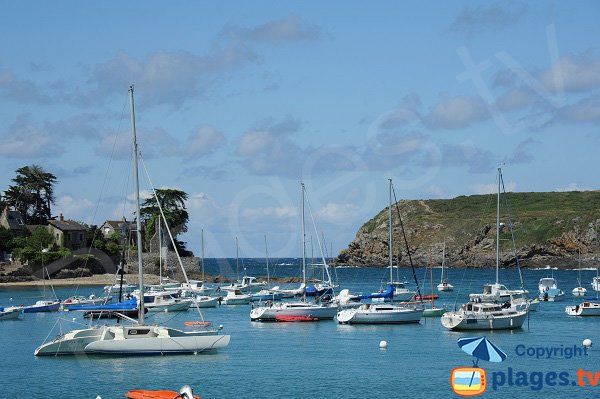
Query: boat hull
[180, 306]
[48, 307]
[13, 314]
[384, 315]
[459, 322]
[584, 309]
[310, 311]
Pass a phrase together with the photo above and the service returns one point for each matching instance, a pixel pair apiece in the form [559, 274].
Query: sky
[236, 102]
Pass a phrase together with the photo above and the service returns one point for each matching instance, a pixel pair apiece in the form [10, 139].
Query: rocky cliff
[548, 228]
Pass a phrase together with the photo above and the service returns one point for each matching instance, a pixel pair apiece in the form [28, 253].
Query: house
[13, 221]
[125, 229]
[68, 233]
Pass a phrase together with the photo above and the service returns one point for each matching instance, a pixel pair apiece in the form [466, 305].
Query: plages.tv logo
[472, 381]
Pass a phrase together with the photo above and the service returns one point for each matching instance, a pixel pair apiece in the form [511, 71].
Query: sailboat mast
[498, 226]
[443, 261]
[137, 206]
[267, 255]
[303, 238]
[202, 242]
[160, 253]
[390, 235]
[237, 259]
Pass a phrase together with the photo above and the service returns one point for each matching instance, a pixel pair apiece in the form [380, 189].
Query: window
[68, 236]
[80, 236]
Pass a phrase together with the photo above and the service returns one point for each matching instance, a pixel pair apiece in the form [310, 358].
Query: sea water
[316, 359]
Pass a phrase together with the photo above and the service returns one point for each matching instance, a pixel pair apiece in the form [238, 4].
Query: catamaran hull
[72, 343]
[360, 316]
[461, 323]
[314, 312]
[159, 345]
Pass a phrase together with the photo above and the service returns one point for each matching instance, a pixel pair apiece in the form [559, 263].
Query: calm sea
[319, 360]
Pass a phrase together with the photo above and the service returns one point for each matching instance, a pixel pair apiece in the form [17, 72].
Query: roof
[116, 224]
[15, 220]
[66, 225]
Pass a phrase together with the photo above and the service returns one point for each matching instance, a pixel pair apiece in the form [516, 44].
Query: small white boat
[549, 291]
[197, 287]
[10, 314]
[586, 308]
[483, 316]
[579, 290]
[248, 284]
[347, 300]
[266, 295]
[164, 301]
[444, 285]
[236, 297]
[596, 283]
[521, 302]
[204, 301]
[380, 314]
[401, 293]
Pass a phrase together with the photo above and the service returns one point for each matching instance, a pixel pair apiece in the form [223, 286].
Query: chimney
[62, 218]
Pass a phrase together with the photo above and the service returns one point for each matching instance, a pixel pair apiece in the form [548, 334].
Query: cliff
[549, 229]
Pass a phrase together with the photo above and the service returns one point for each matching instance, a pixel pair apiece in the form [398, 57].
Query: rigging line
[406, 243]
[512, 232]
[102, 187]
[168, 229]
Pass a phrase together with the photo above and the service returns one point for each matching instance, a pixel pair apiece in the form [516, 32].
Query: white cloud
[204, 141]
[573, 73]
[338, 213]
[25, 140]
[456, 112]
[436, 191]
[78, 209]
[280, 31]
[586, 110]
[280, 212]
[515, 99]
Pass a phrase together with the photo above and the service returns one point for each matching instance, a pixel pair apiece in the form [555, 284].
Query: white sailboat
[382, 313]
[137, 338]
[579, 290]
[198, 289]
[301, 310]
[444, 285]
[485, 312]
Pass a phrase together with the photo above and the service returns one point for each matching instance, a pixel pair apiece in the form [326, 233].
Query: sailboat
[433, 311]
[136, 338]
[301, 310]
[484, 311]
[579, 290]
[267, 294]
[237, 293]
[198, 288]
[444, 285]
[382, 313]
[588, 307]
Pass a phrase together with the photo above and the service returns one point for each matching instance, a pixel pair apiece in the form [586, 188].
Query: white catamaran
[137, 338]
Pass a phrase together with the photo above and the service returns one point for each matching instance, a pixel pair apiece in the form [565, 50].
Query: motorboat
[165, 301]
[10, 314]
[496, 292]
[248, 284]
[204, 301]
[236, 297]
[549, 291]
[586, 308]
[197, 287]
[596, 283]
[484, 316]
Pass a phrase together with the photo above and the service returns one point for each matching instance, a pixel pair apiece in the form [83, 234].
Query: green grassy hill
[548, 228]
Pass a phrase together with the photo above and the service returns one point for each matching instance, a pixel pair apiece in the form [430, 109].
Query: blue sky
[236, 102]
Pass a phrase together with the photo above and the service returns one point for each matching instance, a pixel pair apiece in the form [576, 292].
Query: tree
[172, 202]
[32, 194]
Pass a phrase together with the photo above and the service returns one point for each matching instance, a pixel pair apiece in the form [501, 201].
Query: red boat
[295, 318]
[139, 394]
[426, 297]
